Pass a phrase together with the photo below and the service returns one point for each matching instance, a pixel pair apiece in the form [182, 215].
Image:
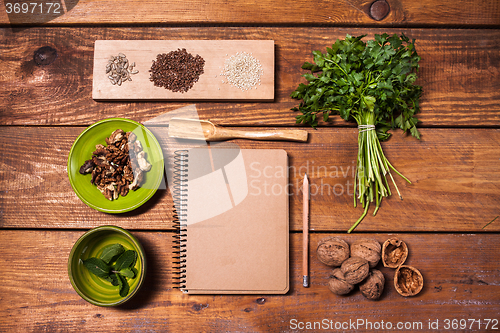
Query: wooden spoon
[205, 130]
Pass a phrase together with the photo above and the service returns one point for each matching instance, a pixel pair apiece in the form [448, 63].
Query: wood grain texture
[459, 74]
[461, 279]
[456, 182]
[338, 12]
[450, 215]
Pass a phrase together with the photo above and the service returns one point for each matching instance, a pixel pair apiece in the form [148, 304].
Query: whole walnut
[373, 286]
[332, 251]
[337, 283]
[368, 249]
[355, 269]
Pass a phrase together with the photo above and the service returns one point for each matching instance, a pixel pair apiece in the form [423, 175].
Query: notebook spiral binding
[179, 194]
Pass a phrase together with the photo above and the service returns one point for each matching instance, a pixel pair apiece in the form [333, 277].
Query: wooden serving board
[211, 85]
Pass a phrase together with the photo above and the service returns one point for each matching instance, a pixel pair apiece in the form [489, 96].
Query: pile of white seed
[119, 69]
[242, 70]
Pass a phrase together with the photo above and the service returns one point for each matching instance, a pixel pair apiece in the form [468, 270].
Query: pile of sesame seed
[176, 70]
[242, 70]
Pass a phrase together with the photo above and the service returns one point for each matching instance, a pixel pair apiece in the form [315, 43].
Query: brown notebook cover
[233, 210]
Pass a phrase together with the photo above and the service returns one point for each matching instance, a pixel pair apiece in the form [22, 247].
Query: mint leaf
[117, 274]
[127, 272]
[126, 260]
[97, 267]
[123, 285]
[113, 279]
[111, 252]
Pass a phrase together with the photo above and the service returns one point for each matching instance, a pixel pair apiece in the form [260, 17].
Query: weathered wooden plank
[459, 75]
[455, 175]
[36, 190]
[461, 281]
[354, 12]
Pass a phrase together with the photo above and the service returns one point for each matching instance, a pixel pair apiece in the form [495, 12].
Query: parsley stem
[360, 219]
[373, 168]
[399, 173]
[490, 222]
[396, 186]
[336, 64]
[355, 187]
[378, 200]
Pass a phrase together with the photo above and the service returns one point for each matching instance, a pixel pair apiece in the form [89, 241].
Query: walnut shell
[332, 251]
[337, 283]
[408, 281]
[394, 252]
[373, 286]
[368, 249]
[355, 269]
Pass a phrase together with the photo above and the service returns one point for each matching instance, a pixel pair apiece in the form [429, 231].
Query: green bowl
[92, 288]
[82, 150]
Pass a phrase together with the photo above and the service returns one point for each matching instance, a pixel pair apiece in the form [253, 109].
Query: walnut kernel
[115, 137]
[368, 249]
[373, 286]
[355, 269]
[332, 251]
[337, 283]
[394, 252]
[118, 167]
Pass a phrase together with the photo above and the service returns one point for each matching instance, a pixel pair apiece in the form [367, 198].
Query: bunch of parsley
[373, 84]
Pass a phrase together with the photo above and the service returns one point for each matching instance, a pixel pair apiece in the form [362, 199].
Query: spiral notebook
[232, 209]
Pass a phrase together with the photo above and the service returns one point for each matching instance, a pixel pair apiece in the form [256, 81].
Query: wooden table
[444, 217]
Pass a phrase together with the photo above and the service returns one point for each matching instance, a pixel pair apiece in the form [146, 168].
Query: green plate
[92, 288]
[82, 150]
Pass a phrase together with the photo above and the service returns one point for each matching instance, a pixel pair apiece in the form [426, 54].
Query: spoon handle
[268, 134]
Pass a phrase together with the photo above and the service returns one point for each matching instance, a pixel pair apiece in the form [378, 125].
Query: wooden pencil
[305, 233]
